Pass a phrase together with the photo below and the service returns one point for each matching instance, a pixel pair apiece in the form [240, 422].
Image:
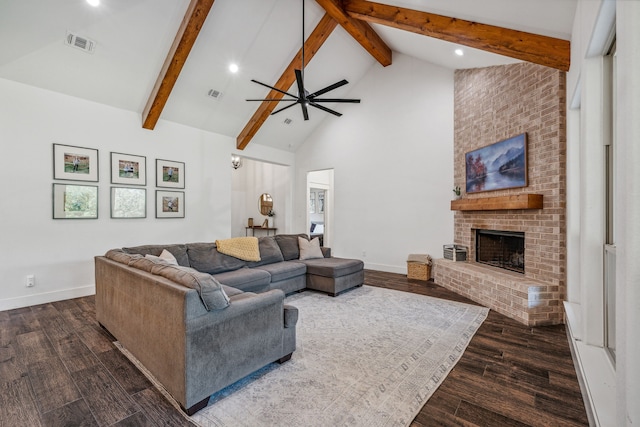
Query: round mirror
[265, 204]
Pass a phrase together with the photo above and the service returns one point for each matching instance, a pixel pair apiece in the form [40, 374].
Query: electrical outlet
[364, 254]
[31, 280]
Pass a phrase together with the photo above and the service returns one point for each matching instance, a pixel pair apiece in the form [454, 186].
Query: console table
[254, 228]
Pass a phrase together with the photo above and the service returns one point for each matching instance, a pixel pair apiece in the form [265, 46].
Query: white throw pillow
[166, 257]
[309, 249]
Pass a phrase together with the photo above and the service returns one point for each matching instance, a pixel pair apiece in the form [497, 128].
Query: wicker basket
[418, 270]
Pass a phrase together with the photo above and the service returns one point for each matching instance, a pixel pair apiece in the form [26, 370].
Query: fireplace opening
[504, 249]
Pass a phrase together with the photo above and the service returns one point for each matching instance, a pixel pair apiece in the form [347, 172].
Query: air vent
[214, 93]
[79, 42]
[287, 121]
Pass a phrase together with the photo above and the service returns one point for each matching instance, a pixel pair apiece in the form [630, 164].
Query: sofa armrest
[290, 316]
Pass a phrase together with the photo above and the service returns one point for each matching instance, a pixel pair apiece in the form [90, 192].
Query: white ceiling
[262, 36]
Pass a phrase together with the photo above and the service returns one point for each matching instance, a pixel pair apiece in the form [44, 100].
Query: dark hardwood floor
[58, 367]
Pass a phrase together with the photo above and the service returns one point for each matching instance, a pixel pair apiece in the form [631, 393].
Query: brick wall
[496, 103]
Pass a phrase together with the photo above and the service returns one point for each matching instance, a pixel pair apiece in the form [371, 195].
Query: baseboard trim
[46, 297]
[386, 268]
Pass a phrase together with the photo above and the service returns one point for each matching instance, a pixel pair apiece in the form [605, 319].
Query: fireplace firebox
[504, 249]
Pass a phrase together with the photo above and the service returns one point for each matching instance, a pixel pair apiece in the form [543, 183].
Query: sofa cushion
[289, 245]
[210, 290]
[284, 270]
[179, 251]
[333, 267]
[269, 252]
[246, 279]
[309, 249]
[206, 258]
[120, 256]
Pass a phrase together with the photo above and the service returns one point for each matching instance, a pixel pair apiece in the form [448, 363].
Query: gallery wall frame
[128, 202]
[170, 174]
[312, 202]
[72, 201]
[498, 166]
[169, 204]
[75, 163]
[128, 169]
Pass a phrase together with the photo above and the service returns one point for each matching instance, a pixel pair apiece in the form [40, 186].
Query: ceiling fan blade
[272, 99]
[328, 110]
[274, 88]
[353, 101]
[328, 88]
[283, 108]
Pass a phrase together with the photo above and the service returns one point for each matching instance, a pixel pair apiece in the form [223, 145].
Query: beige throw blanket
[244, 248]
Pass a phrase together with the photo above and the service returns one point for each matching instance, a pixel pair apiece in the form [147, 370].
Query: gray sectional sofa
[212, 319]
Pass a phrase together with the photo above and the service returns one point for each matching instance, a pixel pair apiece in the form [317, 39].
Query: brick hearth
[493, 104]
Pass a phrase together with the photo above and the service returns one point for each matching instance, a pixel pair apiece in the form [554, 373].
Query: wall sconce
[236, 161]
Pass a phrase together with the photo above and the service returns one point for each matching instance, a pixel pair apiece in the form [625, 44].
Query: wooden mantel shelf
[520, 201]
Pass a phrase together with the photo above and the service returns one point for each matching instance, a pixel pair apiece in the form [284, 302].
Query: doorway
[320, 205]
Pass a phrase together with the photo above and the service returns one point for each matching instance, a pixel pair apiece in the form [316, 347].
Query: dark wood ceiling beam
[543, 50]
[313, 43]
[185, 39]
[360, 31]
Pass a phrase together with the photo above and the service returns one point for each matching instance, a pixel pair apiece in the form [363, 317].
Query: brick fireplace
[493, 104]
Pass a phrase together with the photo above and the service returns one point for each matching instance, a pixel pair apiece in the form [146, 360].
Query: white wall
[60, 252]
[612, 391]
[392, 157]
[248, 183]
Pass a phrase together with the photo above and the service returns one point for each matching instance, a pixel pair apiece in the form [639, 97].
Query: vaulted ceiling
[161, 58]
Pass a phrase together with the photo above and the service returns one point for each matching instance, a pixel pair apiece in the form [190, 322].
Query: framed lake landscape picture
[75, 163]
[497, 166]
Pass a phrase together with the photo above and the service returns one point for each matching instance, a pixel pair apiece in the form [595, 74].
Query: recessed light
[459, 52]
[94, 3]
[233, 68]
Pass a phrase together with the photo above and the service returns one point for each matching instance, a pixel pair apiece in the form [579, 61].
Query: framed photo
[320, 201]
[312, 202]
[128, 169]
[128, 202]
[75, 163]
[169, 204]
[75, 201]
[497, 166]
[169, 174]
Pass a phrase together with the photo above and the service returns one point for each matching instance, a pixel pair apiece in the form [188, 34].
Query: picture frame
[128, 202]
[169, 204]
[71, 201]
[320, 201]
[312, 202]
[128, 169]
[169, 174]
[73, 163]
[498, 166]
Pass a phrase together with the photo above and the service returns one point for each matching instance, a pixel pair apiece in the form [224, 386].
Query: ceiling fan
[304, 98]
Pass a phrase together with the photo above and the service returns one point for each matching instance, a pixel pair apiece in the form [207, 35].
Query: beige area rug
[369, 357]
